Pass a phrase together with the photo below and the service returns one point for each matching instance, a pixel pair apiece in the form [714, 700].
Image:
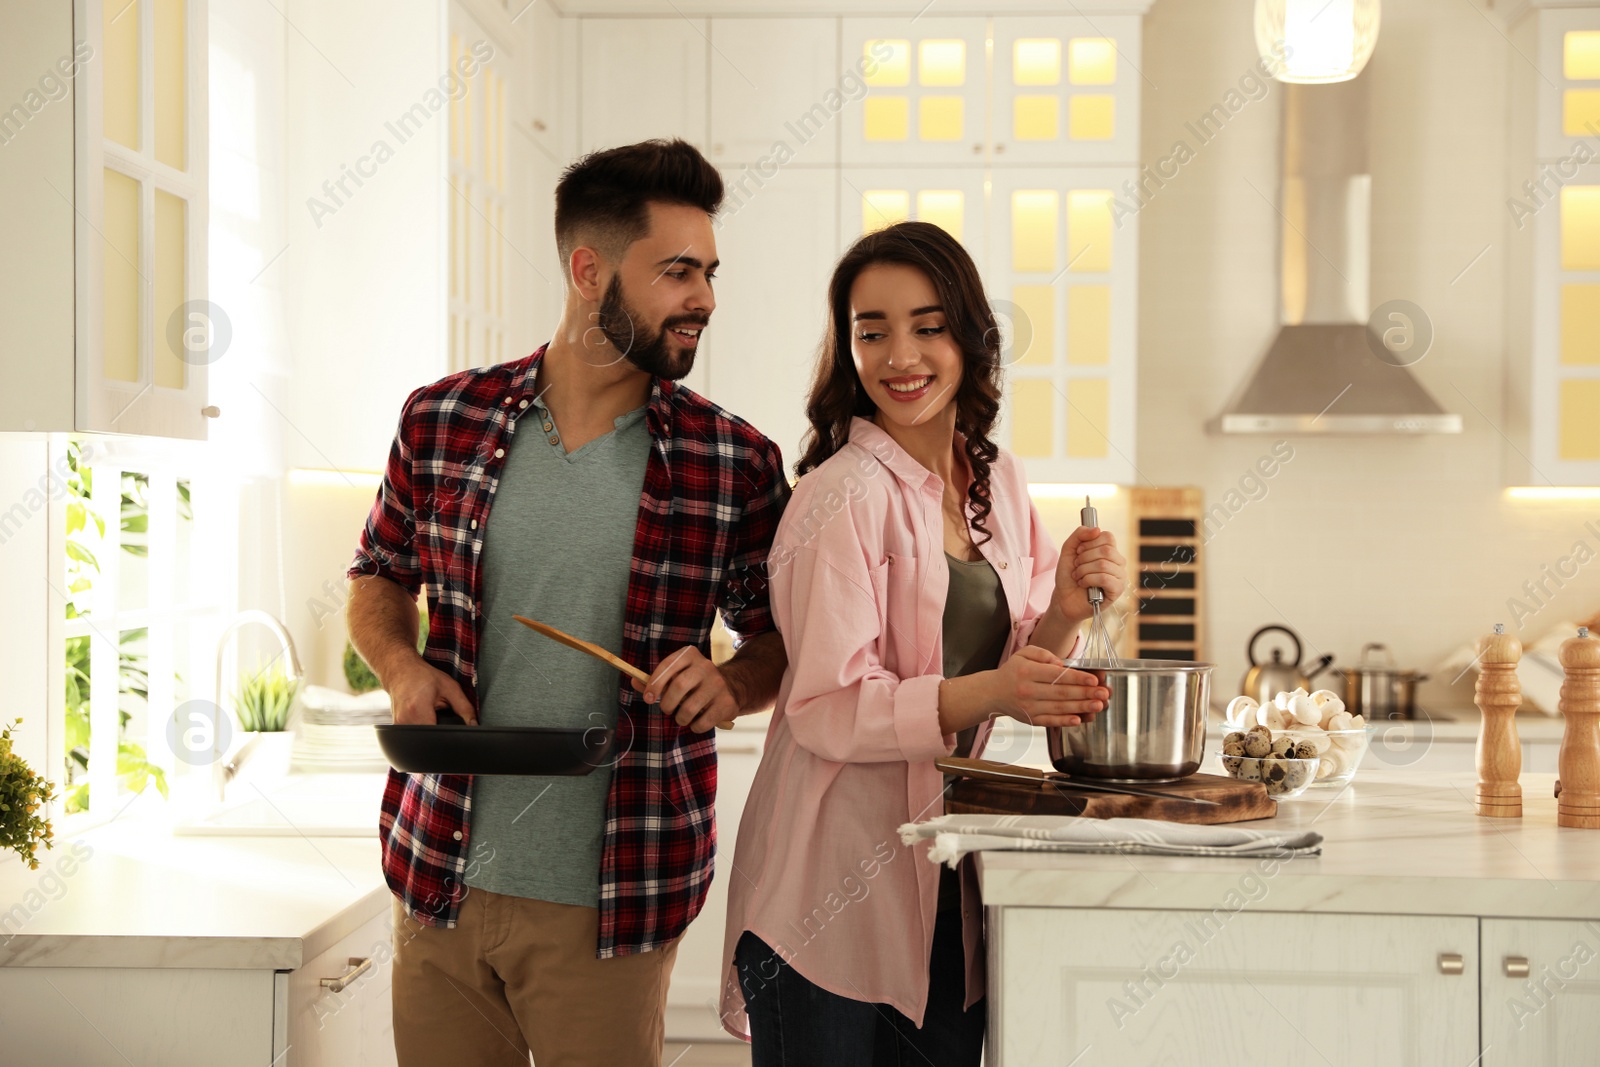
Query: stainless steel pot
[1153, 728]
[1378, 690]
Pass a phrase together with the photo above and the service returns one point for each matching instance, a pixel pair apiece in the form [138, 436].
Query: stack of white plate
[335, 732]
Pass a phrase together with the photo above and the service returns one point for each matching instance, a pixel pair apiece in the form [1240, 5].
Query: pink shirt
[859, 579]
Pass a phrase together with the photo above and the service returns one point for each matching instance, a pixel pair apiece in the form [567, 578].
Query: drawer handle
[1516, 966]
[1451, 963]
[738, 750]
[359, 965]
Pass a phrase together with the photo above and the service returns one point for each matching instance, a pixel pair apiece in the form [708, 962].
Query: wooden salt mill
[1579, 765]
[1499, 748]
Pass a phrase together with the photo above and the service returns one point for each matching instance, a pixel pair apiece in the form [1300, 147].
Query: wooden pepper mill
[1498, 695]
[1578, 803]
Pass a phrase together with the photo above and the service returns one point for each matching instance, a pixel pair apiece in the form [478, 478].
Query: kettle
[1263, 681]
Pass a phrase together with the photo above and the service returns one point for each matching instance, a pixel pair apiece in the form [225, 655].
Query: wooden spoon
[597, 652]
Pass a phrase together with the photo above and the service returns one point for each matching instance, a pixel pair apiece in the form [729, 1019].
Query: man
[582, 487]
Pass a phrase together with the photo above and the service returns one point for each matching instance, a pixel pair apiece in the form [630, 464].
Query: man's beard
[627, 332]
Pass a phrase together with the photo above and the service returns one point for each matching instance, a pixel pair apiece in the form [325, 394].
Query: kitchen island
[132, 945]
[1422, 934]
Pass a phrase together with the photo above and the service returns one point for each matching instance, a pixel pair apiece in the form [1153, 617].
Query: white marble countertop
[142, 897]
[1394, 843]
[1533, 727]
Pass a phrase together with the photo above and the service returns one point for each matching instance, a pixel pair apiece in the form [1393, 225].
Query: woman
[919, 595]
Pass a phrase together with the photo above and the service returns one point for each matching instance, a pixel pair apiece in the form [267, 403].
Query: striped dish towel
[953, 836]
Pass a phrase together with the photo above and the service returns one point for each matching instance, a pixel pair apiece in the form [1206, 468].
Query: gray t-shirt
[557, 548]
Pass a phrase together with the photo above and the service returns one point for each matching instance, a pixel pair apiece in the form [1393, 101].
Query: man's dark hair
[603, 200]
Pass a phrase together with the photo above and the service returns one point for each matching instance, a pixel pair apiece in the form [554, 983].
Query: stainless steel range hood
[1322, 373]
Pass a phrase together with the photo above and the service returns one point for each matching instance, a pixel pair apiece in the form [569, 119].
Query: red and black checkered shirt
[713, 493]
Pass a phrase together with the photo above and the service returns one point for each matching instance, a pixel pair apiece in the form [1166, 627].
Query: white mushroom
[1339, 758]
[1305, 711]
[1351, 741]
[1322, 696]
[1340, 721]
[1242, 711]
[1316, 738]
[1271, 716]
[1324, 767]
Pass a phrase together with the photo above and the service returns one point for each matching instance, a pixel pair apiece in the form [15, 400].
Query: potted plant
[262, 704]
[22, 790]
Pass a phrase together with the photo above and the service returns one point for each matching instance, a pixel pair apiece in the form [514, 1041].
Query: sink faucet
[224, 770]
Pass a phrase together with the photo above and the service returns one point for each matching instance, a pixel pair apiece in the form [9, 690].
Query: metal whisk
[1099, 646]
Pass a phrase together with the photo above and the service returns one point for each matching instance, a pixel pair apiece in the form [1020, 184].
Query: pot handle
[1250, 649]
[1321, 665]
[1376, 646]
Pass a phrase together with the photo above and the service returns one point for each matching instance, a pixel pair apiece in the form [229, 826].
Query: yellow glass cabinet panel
[119, 232]
[1033, 418]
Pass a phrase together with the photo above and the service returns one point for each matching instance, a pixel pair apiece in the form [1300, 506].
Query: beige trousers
[517, 976]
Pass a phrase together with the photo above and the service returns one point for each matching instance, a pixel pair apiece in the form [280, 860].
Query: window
[141, 610]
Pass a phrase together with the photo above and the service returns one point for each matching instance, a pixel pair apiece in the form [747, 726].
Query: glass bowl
[1346, 749]
[1282, 777]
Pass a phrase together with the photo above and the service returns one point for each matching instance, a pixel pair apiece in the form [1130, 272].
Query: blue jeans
[794, 1023]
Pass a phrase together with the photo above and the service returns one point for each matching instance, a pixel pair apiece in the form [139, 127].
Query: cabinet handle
[1451, 963]
[211, 411]
[999, 148]
[738, 750]
[977, 149]
[1516, 966]
[359, 965]
[539, 125]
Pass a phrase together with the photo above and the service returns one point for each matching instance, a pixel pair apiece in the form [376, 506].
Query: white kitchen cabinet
[1553, 313]
[695, 995]
[926, 81]
[465, 186]
[641, 78]
[1063, 266]
[1564, 78]
[1225, 987]
[1540, 992]
[1034, 89]
[549, 95]
[110, 1017]
[354, 1024]
[363, 272]
[939, 118]
[104, 182]
[106, 1016]
[1066, 89]
[764, 97]
[778, 243]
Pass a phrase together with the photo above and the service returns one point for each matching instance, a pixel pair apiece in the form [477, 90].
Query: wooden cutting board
[1236, 801]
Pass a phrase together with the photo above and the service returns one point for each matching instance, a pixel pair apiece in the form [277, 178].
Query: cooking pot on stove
[1377, 689]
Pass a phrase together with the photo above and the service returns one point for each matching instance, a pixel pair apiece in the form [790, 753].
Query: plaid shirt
[713, 493]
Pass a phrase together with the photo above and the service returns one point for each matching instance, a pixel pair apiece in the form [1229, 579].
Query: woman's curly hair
[836, 392]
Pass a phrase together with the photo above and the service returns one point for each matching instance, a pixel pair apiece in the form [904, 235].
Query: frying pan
[453, 747]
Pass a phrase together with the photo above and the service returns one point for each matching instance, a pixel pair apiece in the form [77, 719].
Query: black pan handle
[448, 717]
